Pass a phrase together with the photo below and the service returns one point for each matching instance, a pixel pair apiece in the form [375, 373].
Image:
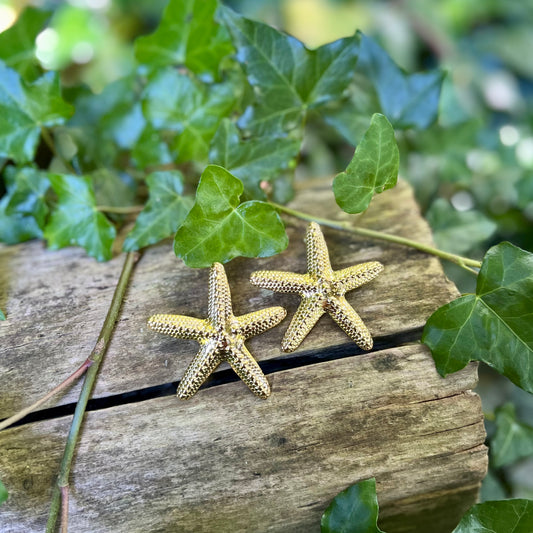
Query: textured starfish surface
[221, 336]
[322, 290]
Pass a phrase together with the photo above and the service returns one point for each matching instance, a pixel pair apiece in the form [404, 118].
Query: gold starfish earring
[322, 290]
[221, 336]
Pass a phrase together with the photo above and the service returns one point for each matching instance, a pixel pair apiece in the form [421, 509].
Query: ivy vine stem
[127, 210]
[61, 487]
[464, 262]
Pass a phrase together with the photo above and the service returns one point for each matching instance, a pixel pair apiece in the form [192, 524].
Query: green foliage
[219, 227]
[510, 516]
[513, 439]
[354, 510]
[18, 42]
[163, 213]
[373, 168]
[76, 219]
[2, 315]
[288, 78]
[494, 325]
[187, 36]
[3, 493]
[25, 108]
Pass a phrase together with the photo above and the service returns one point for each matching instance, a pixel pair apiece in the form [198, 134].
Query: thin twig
[63, 385]
[120, 210]
[90, 378]
[463, 262]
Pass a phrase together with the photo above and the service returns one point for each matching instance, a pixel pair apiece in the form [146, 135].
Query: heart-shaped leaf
[219, 227]
[495, 325]
[373, 168]
[287, 77]
[24, 109]
[76, 220]
[408, 100]
[163, 213]
[509, 516]
[254, 160]
[186, 36]
[513, 439]
[354, 510]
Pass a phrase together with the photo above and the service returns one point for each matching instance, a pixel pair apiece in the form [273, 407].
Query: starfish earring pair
[221, 335]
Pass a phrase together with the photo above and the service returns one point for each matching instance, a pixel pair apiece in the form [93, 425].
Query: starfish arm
[199, 369]
[352, 277]
[281, 281]
[306, 316]
[318, 264]
[183, 327]
[259, 321]
[346, 317]
[246, 367]
[219, 300]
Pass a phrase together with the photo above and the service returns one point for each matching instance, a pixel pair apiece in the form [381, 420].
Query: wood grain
[229, 462]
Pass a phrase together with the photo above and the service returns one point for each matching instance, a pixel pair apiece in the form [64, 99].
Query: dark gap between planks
[222, 377]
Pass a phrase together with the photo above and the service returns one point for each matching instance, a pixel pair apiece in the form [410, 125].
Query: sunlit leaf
[3, 493]
[509, 516]
[219, 227]
[173, 101]
[24, 109]
[408, 100]
[186, 36]
[513, 439]
[373, 168]
[17, 44]
[287, 77]
[163, 213]
[495, 325]
[354, 510]
[254, 160]
[76, 221]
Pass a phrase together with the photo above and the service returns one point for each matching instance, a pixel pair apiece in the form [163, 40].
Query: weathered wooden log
[226, 460]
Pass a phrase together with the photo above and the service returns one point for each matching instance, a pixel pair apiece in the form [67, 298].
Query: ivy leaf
[408, 100]
[163, 213]
[113, 189]
[17, 44]
[219, 227]
[150, 149]
[287, 77]
[513, 439]
[28, 195]
[76, 219]
[458, 231]
[373, 168]
[175, 102]
[509, 516]
[24, 109]
[495, 325]
[3, 490]
[253, 160]
[2, 317]
[354, 510]
[187, 35]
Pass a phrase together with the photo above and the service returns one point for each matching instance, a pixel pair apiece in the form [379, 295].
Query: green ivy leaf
[513, 439]
[219, 227]
[113, 189]
[354, 510]
[24, 109]
[187, 35]
[2, 317]
[458, 231]
[3, 492]
[495, 325]
[408, 100]
[287, 77]
[28, 195]
[163, 213]
[509, 516]
[76, 220]
[373, 168]
[253, 160]
[173, 101]
[151, 149]
[17, 44]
